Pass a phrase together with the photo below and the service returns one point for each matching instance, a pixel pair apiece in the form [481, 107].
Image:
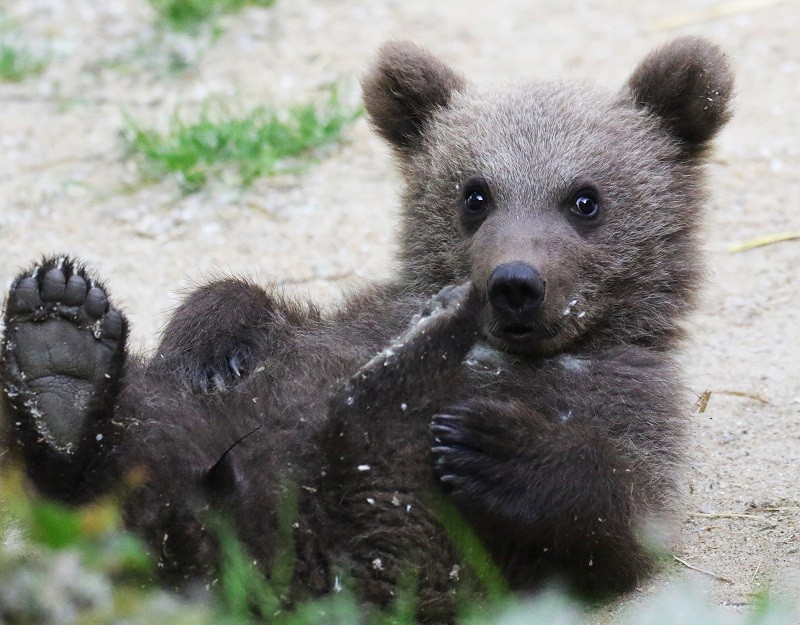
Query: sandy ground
[63, 181]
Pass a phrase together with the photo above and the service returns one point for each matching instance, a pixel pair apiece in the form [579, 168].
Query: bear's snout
[516, 290]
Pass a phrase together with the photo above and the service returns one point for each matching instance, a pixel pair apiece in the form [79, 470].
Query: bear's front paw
[223, 374]
[62, 356]
[475, 452]
[435, 342]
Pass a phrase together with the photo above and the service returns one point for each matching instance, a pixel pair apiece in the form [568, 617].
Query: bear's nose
[516, 289]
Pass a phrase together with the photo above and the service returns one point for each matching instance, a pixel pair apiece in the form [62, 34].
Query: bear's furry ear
[403, 88]
[688, 84]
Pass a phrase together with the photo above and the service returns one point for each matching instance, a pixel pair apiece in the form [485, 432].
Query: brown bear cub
[520, 366]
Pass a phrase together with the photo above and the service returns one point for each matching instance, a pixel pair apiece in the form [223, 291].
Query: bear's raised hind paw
[63, 353]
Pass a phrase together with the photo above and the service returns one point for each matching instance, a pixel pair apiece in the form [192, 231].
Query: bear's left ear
[688, 84]
[404, 87]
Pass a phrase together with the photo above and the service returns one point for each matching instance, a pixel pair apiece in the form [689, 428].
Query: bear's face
[573, 210]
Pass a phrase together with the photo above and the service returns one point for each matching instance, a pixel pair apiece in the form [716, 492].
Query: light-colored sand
[62, 175]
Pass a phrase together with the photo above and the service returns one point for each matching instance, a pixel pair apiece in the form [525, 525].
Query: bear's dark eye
[586, 204]
[477, 201]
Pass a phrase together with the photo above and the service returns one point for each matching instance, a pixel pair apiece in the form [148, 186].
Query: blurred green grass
[190, 15]
[17, 62]
[78, 565]
[252, 144]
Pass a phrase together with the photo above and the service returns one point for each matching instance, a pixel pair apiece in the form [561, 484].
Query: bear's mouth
[523, 333]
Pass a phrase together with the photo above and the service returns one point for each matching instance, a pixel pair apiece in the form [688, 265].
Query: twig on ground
[767, 239]
[702, 400]
[724, 9]
[703, 571]
[781, 509]
[756, 572]
[727, 515]
[754, 396]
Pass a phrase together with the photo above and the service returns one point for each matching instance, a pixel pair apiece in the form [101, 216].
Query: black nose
[516, 289]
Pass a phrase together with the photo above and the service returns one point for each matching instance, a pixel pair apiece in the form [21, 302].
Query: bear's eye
[477, 201]
[586, 204]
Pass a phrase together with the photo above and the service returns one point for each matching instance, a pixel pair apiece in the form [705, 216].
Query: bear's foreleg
[219, 333]
[569, 492]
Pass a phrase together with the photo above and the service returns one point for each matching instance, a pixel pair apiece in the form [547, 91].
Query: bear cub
[519, 368]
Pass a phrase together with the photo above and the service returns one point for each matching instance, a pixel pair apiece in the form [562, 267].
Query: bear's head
[574, 210]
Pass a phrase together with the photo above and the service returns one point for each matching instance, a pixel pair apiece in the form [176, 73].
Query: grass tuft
[190, 15]
[17, 62]
[250, 145]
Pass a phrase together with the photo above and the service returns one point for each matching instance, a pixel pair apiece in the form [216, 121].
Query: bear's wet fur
[540, 396]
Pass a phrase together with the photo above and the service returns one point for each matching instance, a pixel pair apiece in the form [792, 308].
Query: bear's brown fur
[540, 396]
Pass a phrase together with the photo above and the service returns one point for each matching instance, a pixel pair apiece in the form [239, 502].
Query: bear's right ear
[403, 88]
[688, 84]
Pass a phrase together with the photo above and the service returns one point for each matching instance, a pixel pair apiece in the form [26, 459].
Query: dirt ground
[63, 184]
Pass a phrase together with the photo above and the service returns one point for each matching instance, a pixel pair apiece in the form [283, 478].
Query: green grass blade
[472, 550]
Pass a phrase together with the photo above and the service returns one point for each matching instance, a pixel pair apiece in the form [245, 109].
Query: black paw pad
[24, 297]
[62, 356]
[75, 292]
[96, 302]
[112, 325]
[54, 285]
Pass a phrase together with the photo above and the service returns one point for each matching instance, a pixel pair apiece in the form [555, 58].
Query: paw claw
[443, 429]
[219, 382]
[221, 376]
[235, 366]
[454, 419]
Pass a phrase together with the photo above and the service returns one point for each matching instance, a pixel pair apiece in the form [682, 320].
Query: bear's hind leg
[63, 355]
[219, 334]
